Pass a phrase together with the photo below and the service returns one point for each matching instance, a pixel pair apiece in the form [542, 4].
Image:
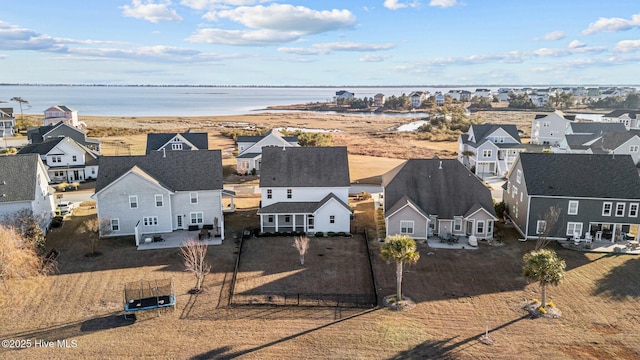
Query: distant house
[250, 149]
[7, 122]
[549, 129]
[42, 133]
[24, 186]
[58, 113]
[343, 95]
[161, 192]
[65, 159]
[378, 100]
[630, 118]
[489, 149]
[305, 189]
[428, 197]
[580, 137]
[439, 97]
[177, 141]
[596, 194]
[482, 93]
[417, 97]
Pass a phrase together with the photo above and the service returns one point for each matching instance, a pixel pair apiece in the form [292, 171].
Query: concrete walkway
[601, 247]
[434, 243]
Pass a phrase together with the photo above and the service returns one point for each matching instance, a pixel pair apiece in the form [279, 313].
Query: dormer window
[177, 146]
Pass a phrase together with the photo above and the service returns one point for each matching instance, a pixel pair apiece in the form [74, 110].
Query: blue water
[179, 101]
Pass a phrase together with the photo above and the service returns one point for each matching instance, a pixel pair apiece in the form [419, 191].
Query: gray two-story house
[489, 149]
[595, 194]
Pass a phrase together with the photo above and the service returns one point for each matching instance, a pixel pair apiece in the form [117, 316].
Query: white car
[65, 207]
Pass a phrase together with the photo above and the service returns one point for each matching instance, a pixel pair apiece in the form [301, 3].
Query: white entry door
[180, 221]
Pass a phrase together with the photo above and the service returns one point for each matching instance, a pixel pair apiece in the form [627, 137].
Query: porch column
[613, 233]
[294, 222]
[221, 225]
[261, 223]
[276, 219]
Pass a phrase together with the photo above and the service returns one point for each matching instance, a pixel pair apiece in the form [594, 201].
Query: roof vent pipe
[164, 152]
[440, 167]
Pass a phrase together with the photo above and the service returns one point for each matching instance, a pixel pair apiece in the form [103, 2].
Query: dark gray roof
[255, 139]
[304, 167]
[633, 114]
[597, 128]
[610, 142]
[155, 141]
[481, 131]
[177, 170]
[581, 175]
[299, 207]
[447, 192]
[18, 177]
[248, 155]
[568, 117]
[579, 141]
[42, 148]
[39, 134]
[7, 111]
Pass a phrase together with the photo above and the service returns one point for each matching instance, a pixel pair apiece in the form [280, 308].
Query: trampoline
[148, 295]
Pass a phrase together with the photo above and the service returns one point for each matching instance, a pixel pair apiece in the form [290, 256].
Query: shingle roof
[155, 141]
[304, 167]
[581, 175]
[447, 192]
[610, 142]
[178, 170]
[633, 114]
[18, 177]
[42, 148]
[299, 207]
[481, 131]
[559, 113]
[597, 127]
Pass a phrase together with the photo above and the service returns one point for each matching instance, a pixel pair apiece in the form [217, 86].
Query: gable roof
[177, 170]
[305, 167]
[155, 141]
[42, 148]
[18, 177]
[597, 128]
[62, 108]
[308, 207]
[481, 131]
[41, 133]
[610, 142]
[438, 187]
[633, 114]
[558, 113]
[256, 138]
[580, 175]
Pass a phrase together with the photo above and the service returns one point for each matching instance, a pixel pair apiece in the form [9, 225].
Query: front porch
[174, 239]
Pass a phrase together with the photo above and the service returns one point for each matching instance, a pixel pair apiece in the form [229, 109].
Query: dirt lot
[458, 292]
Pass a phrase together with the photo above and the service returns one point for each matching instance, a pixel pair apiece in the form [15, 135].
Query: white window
[133, 201]
[486, 153]
[480, 227]
[159, 200]
[150, 220]
[541, 226]
[310, 222]
[633, 210]
[115, 224]
[289, 194]
[518, 176]
[634, 148]
[515, 192]
[574, 227]
[176, 146]
[620, 209]
[332, 219]
[196, 218]
[489, 226]
[606, 209]
[193, 197]
[521, 194]
[269, 193]
[457, 224]
[406, 227]
[573, 207]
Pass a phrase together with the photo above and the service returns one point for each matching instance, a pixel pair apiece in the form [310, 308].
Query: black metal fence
[307, 299]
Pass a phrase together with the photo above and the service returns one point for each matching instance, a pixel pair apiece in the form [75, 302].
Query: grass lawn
[457, 292]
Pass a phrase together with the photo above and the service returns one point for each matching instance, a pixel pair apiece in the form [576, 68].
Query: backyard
[458, 294]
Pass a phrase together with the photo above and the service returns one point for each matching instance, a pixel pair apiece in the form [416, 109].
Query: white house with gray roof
[65, 159]
[549, 129]
[489, 149]
[305, 189]
[629, 118]
[161, 193]
[24, 185]
[250, 149]
[429, 197]
[42, 133]
[7, 122]
[186, 141]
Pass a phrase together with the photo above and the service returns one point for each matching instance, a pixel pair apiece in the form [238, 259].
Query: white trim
[624, 209]
[483, 209]
[155, 198]
[410, 205]
[412, 227]
[632, 205]
[577, 204]
[131, 202]
[574, 228]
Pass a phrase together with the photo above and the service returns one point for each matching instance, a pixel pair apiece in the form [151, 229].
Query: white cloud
[396, 4]
[285, 17]
[327, 48]
[242, 37]
[151, 11]
[16, 38]
[301, 51]
[218, 4]
[576, 44]
[612, 25]
[443, 3]
[554, 35]
[625, 46]
[374, 58]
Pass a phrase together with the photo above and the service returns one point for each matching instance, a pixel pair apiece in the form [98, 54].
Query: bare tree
[194, 254]
[95, 227]
[18, 257]
[548, 225]
[301, 243]
[27, 224]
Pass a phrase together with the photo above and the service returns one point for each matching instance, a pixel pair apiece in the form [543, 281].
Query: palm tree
[545, 267]
[401, 249]
[20, 101]
[465, 155]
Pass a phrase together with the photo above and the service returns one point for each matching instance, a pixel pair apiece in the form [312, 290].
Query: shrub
[56, 222]
[331, 234]
[319, 234]
[266, 234]
[341, 233]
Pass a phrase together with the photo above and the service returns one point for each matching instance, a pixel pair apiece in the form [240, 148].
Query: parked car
[65, 207]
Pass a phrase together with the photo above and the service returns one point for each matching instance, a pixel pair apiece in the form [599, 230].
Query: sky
[321, 43]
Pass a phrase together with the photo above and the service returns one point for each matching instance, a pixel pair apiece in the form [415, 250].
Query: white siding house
[250, 149]
[489, 149]
[549, 129]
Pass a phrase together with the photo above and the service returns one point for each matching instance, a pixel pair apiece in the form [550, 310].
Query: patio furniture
[473, 241]
[633, 244]
[193, 227]
[157, 238]
[576, 238]
[598, 235]
[204, 234]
